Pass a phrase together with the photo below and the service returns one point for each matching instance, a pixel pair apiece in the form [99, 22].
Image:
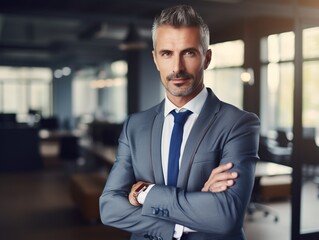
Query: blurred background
[71, 72]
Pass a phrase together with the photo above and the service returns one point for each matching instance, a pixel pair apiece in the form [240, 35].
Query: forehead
[169, 37]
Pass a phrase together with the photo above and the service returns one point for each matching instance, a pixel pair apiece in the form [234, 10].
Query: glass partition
[277, 82]
[225, 70]
[25, 88]
[309, 209]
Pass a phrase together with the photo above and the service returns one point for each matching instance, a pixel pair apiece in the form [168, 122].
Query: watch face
[141, 188]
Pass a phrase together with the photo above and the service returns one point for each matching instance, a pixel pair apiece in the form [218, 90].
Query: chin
[182, 93]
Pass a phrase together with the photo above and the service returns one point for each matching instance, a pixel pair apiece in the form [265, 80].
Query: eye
[190, 53]
[166, 54]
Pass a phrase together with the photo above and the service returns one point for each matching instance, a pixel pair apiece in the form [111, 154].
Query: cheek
[164, 68]
[194, 67]
[163, 78]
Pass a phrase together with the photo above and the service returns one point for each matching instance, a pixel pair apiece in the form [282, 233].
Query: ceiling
[37, 32]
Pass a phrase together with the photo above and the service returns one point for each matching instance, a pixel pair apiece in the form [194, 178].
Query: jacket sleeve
[115, 209]
[214, 213]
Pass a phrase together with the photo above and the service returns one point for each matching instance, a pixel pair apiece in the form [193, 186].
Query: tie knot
[181, 117]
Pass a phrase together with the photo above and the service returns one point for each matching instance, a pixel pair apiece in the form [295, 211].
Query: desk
[106, 154]
[60, 143]
[271, 171]
[56, 135]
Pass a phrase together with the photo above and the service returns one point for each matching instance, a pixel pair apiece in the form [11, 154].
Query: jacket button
[165, 213]
[161, 211]
[146, 236]
[155, 211]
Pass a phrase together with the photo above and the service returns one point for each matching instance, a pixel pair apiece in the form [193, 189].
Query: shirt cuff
[142, 196]
[188, 230]
[178, 231]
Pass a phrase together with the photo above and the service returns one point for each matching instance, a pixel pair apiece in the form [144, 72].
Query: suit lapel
[156, 143]
[201, 126]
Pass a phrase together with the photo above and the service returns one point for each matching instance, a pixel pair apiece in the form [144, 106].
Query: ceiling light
[133, 40]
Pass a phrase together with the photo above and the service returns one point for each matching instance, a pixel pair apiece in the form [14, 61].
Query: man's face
[180, 60]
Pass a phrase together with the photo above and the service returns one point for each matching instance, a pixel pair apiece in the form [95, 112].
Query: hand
[220, 179]
[132, 197]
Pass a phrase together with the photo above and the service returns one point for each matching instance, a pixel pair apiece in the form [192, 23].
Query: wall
[62, 100]
[151, 89]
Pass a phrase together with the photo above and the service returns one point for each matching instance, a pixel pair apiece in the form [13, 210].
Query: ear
[208, 58]
[154, 59]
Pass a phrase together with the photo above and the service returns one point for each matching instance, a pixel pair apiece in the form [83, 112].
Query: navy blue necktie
[175, 146]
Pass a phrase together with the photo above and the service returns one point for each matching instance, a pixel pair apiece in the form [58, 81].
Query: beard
[183, 89]
[181, 74]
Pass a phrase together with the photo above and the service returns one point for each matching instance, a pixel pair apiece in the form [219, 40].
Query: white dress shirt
[195, 105]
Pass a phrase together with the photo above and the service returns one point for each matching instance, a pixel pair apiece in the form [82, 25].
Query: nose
[178, 64]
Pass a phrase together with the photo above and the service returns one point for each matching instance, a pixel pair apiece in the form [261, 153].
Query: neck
[180, 101]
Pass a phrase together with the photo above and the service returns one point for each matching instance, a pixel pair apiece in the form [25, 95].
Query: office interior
[72, 71]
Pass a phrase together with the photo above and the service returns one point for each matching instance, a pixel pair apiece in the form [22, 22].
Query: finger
[218, 189]
[221, 177]
[223, 168]
[213, 185]
[211, 188]
[221, 186]
[133, 199]
[220, 169]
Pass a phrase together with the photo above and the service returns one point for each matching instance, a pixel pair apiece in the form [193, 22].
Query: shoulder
[225, 110]
[143, 117]
[234, 111]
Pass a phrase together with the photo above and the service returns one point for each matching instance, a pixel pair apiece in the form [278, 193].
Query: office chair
[255, 205]
[69, 152]
[282, 138]
[310, 152]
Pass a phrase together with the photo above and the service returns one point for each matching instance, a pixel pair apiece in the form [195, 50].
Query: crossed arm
[219, 180]
[215, 213]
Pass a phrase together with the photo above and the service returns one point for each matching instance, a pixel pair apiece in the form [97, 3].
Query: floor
[259, 227]
[37, 205]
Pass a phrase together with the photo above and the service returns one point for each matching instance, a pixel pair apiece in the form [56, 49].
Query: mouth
[179, 80]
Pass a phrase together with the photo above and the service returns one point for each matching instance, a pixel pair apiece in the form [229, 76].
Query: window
[223, 74]
[23, 89]
[104, 89]
[310, 77]
[277, 81]
[310, 124]
[81, 87]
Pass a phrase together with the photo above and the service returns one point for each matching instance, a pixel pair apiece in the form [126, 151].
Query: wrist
[139, 190]
[142, 193]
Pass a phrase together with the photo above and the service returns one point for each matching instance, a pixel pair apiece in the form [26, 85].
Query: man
[207, 201]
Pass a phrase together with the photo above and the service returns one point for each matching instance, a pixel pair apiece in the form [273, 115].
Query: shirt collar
[195, 105]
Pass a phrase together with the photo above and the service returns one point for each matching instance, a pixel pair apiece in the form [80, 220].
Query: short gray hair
[182, 16]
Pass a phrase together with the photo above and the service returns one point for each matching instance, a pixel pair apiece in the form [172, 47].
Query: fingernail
[234, 174]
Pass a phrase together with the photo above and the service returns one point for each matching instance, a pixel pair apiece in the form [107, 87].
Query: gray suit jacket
[221, 134]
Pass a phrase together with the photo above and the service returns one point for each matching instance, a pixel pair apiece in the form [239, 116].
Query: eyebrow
[190, 49]
[184, 50]
[164, 50]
